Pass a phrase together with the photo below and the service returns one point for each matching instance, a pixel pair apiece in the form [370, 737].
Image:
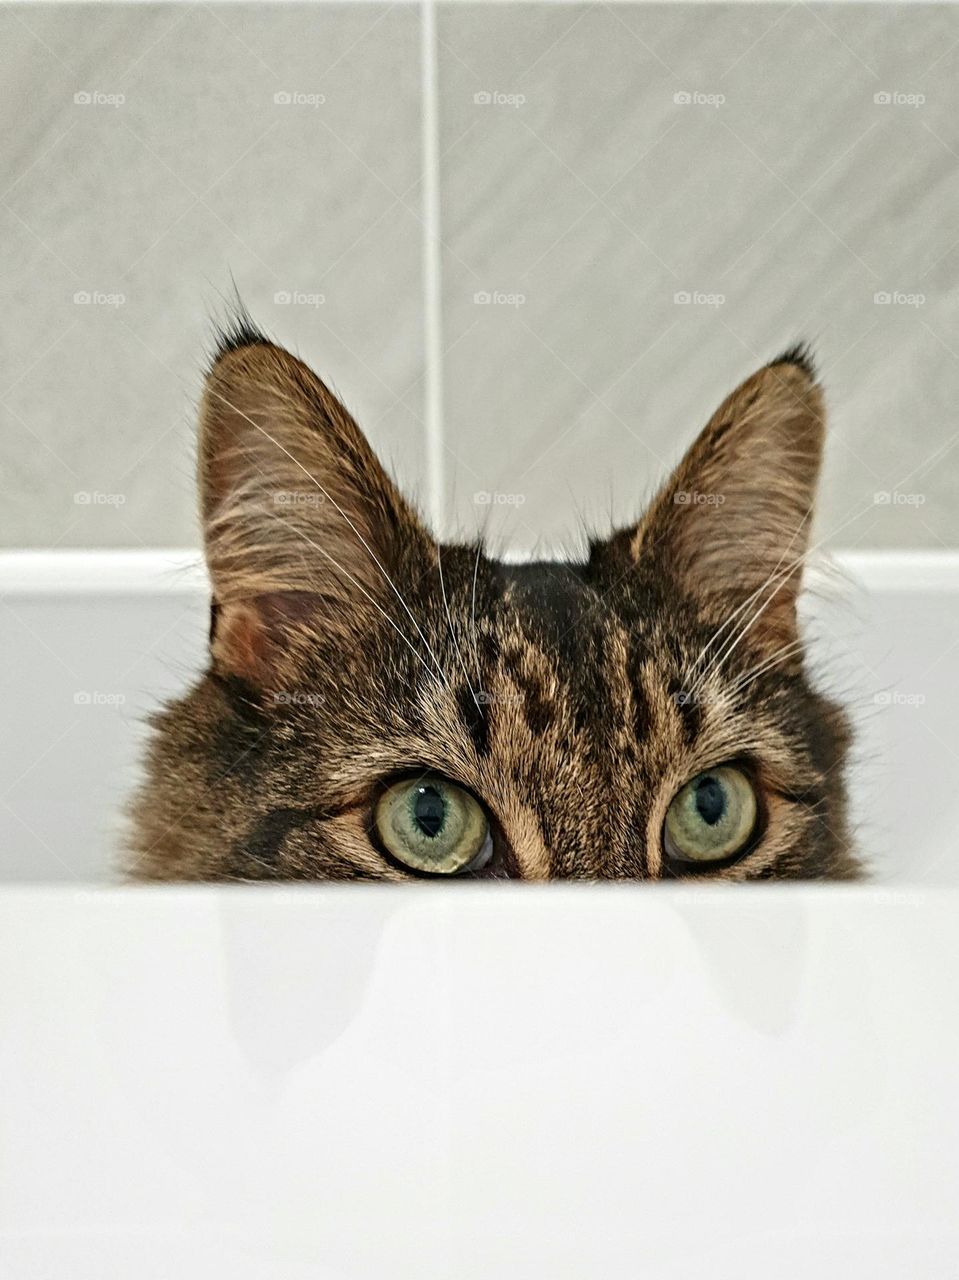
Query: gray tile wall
[197, 177]
[597, 162]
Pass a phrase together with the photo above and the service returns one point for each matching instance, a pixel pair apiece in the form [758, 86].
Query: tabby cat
[380, 707]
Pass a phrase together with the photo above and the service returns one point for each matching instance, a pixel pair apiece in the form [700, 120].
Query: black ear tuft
[801, 355]
[235, 331]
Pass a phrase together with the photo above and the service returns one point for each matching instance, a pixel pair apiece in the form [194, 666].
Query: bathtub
[464, 1081]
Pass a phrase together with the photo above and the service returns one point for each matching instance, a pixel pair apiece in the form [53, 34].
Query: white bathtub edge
[176, 571]
[180, 571]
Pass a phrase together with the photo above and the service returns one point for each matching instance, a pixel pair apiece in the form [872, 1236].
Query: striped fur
[573, 700]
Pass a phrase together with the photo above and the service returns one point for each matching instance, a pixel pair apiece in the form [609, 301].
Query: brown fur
[573, 700]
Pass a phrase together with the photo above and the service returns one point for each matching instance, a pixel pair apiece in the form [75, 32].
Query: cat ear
[734, 518]
[303, 528]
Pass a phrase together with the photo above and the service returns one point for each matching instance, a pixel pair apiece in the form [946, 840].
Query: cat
[379, 707]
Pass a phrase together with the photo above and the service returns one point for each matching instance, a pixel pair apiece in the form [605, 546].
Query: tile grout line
[432, 267]
[433, 418]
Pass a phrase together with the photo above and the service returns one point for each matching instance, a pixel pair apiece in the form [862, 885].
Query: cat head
[381, 707]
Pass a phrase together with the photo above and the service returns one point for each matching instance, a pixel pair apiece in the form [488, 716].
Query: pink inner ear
[252, 637]
[241, 643]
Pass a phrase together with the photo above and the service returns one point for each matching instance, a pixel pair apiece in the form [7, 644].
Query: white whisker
[449, 623]
[749, 600]
[781, 655]
[476, 656]
[336, 505]
[346, 573]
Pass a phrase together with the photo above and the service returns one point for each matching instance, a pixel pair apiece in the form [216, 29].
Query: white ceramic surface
[554, 1084]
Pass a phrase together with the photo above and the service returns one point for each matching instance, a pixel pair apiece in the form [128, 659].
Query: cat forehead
[565, 607]
[567, 652]
[554, 594]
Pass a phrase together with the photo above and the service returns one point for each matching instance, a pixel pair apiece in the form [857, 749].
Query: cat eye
[431, 825]
[712, 818]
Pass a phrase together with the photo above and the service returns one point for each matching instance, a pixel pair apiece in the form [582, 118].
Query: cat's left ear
[733, 520]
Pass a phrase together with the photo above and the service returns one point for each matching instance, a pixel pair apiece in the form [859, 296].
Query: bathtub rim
[180, 571]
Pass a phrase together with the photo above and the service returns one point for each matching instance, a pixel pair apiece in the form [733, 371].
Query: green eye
[712, 817]
[429, 824]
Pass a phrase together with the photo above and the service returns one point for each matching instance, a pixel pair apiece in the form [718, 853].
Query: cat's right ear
[303, 528]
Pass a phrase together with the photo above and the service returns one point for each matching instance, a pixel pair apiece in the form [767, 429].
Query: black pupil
[429, 811]
[710, 800]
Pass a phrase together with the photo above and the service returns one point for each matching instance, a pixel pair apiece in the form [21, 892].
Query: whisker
[781, 580]
[751, 598]
[337, 506]
[476, 656]
[346, 573]
[817, 546]
[449, 623]
[776, 580]
[781, 655]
